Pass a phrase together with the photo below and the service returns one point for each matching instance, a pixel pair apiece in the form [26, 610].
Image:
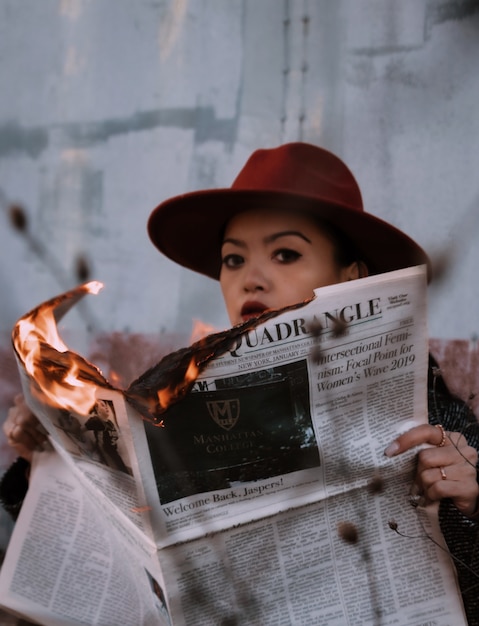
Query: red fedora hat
[295, 176]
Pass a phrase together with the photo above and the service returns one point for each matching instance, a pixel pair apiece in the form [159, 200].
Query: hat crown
[301, 169]
[189, 228]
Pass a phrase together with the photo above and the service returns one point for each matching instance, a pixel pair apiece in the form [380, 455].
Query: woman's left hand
[446, 470]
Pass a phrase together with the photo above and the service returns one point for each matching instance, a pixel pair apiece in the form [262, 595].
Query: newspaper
[242, 480]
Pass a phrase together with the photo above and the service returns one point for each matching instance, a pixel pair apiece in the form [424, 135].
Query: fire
[173, 377]
[201, 330]
[94, 287]
[191, 372]
[46, 358]
[169, 394]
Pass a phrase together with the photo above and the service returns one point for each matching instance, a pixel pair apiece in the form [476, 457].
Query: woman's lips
[252, 309]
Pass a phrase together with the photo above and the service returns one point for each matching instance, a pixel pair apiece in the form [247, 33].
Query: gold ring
[443, 473]
[443, 435]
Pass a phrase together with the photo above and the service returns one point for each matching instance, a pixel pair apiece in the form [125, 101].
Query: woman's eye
[286, 255]
[232, 260]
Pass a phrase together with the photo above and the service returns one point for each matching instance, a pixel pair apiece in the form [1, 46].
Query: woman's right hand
[23, 430]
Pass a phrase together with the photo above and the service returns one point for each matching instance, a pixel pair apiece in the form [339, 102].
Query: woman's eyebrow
[235, 242]
[286, 233]
[268, 239]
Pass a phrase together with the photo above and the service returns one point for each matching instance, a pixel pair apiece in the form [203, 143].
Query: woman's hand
[23, 430]
[447, 470]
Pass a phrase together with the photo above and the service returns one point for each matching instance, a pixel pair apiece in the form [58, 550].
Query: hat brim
[188, 228]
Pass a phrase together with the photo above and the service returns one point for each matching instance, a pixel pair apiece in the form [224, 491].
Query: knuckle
[11, 413]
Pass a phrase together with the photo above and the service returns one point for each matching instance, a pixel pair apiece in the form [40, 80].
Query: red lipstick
[252, 308]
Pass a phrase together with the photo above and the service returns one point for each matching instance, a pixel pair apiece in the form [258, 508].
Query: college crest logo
[224, 412]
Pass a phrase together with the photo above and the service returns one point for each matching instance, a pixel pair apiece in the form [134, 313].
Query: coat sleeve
[460, 532]
[13, 486]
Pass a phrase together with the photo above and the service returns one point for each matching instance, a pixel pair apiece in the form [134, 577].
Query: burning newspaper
[241, 480]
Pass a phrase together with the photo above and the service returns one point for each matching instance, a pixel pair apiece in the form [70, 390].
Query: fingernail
[417, 500]
[392, 449]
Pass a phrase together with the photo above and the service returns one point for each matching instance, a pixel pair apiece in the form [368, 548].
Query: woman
[293, 221]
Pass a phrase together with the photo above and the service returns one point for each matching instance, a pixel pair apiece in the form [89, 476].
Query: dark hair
[345, 251]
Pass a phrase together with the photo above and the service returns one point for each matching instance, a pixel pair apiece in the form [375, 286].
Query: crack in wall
[15, 138]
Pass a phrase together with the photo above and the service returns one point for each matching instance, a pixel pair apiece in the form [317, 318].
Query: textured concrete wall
[110, 106]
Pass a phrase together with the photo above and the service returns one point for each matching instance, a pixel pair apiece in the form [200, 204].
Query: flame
[56, 371]
[167, 395]
[94, 287]
[140, 509]
[200, 330]
[191, 372]
[114, 377]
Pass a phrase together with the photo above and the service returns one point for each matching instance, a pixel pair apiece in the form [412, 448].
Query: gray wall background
[108, 107]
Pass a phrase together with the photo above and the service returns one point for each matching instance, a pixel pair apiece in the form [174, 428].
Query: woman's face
[103, 410]
[272, 259]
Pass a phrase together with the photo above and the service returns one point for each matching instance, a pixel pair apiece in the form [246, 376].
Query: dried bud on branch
[18, 218]
[314, 327]
[348, 532]
[441, 265]
[376, 485]
[339, 328]
[316, 354]
[82, 269]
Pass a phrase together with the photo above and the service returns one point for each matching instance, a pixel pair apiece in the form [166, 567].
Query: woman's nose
[255, 279]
